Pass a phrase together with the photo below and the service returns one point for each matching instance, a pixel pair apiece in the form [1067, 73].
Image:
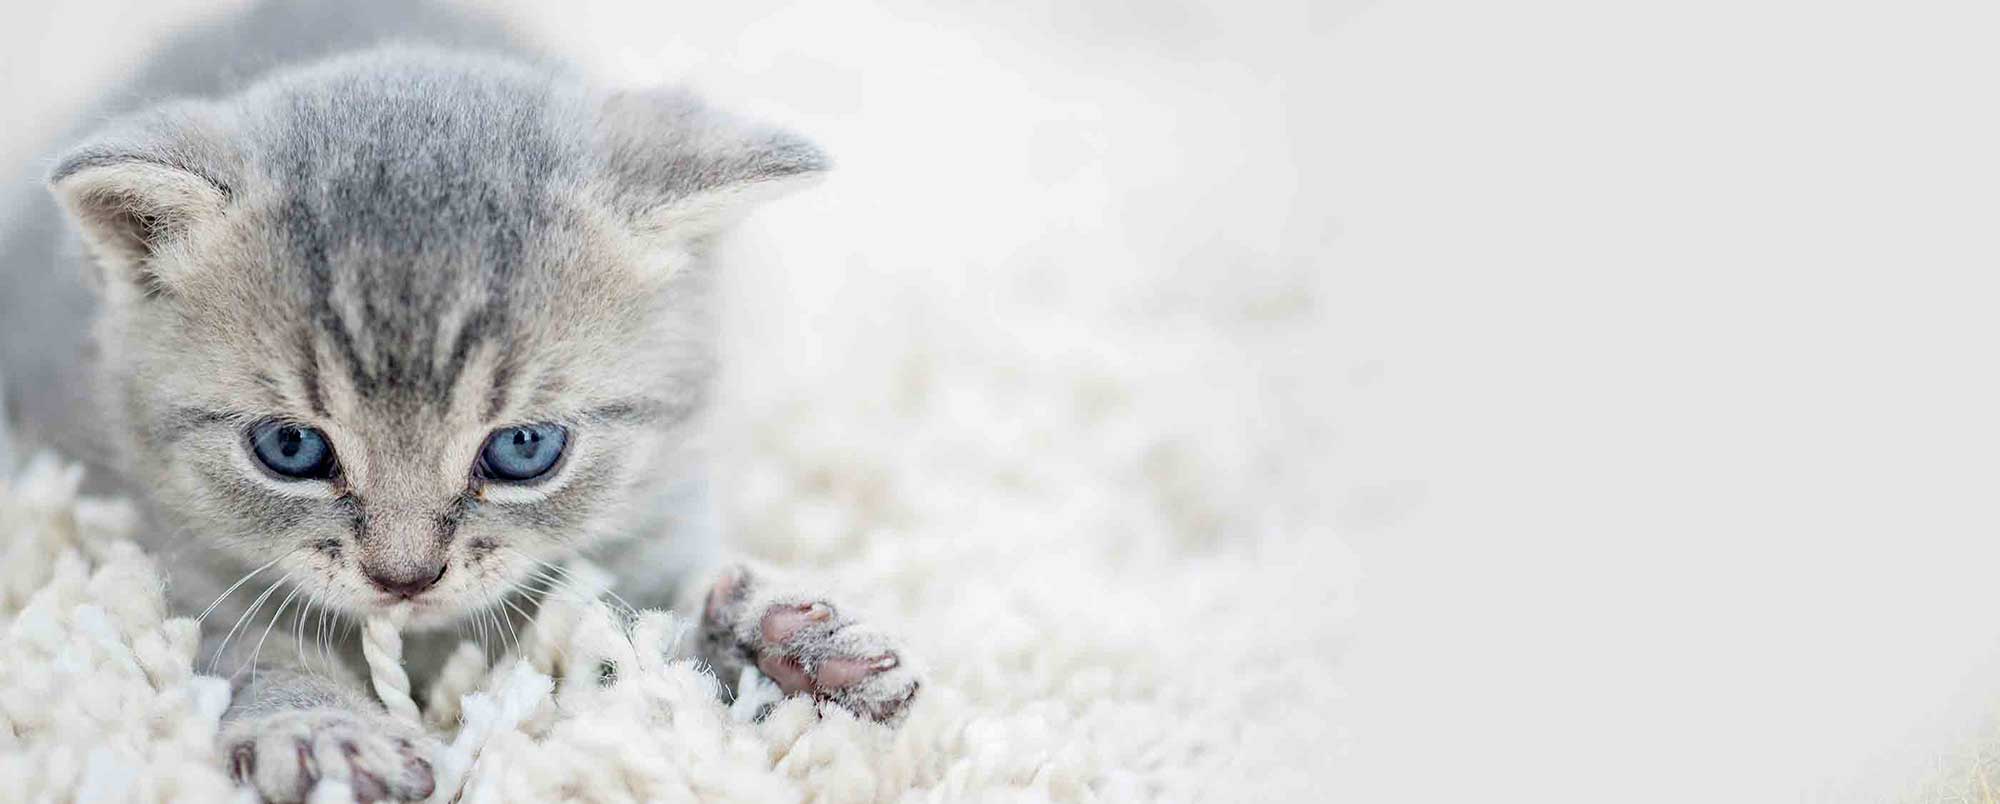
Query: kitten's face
[404, 326]
[418, 429]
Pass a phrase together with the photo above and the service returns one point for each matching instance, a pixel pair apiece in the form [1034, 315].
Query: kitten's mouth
[418, 612]
[397, 604]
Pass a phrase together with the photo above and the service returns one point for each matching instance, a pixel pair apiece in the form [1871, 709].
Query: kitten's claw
[284, 755]
[806, 646]
[782, 623]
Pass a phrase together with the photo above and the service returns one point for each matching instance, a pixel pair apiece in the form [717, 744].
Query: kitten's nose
[406, 582]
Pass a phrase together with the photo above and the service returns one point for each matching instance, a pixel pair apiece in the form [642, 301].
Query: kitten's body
[402, 250]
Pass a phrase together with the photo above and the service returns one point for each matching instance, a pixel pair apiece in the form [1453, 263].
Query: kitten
[398, 328]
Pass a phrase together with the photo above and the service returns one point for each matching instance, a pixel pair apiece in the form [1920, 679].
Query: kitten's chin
[419, 614]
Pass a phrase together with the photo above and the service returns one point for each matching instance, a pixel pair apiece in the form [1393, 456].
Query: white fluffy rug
[1109, 595]
[1039, 379]
[1064, 561]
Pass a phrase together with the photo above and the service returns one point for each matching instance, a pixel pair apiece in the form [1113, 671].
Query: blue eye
[290, 450]
[515, 454]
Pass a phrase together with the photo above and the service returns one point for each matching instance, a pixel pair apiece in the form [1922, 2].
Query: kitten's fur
[406, 247]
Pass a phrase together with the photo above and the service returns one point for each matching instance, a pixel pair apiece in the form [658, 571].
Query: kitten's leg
[292, 724]
[802, 641]
[297, 713]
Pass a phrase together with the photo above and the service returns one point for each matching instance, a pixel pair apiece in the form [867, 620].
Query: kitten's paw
[806, 645]
[284, 755]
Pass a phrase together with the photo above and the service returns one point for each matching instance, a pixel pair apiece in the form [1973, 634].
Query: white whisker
[215, 660]
[484, 646]
[499, 635]
[275, 617]
[571, 578]
[574, 592]
[525, 619]
[320, 638]
[299, 627]
[233, 587]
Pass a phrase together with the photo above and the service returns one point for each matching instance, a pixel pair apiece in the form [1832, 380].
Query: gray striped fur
[415, 232]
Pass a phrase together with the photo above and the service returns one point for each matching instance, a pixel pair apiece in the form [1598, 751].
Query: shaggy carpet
[1095, 624]
[1038, 378]
[1109, 592]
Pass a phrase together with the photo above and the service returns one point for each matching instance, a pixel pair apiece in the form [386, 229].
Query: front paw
[285, 755]
[806, 645]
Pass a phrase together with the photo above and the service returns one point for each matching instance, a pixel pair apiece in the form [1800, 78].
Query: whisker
[486, 612]
[484, 648]
[573, 595]
[275, 617]
[299, 628]
[550, 588]
[509, 605]
[513, 634]
[553, 571]
[319, 636]
[631, 610]
[233, 587]
[510, 622]
[329, 651]
[574, 592]
[498, 635]
[254, 606]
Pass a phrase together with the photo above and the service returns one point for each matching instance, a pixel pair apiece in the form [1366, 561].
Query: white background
[1655, 339]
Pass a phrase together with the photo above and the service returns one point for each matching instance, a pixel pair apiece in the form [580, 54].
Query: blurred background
[1577, 399]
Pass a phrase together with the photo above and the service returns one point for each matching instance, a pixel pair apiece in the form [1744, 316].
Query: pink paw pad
[806, 647]
[782, 623]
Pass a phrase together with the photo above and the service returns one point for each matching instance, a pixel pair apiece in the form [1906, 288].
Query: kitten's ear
[137, 186]
[687, 170]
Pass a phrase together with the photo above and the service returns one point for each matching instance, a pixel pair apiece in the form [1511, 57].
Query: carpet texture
[1108, 607]
[1039, 379]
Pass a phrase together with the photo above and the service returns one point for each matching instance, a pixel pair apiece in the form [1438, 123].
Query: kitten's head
[405, 322]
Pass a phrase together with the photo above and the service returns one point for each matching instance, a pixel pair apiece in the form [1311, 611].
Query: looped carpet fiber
[1097, 620]
[1040, 379]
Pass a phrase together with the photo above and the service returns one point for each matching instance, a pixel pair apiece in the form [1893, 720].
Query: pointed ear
[687, 170]
[137, 187]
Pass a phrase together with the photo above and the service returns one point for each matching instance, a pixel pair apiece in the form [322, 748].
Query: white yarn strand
[382, 646]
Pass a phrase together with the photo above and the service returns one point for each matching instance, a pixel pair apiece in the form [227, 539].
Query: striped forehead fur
[409, 248]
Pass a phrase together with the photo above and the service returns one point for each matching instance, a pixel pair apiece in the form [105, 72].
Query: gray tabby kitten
[399, 328]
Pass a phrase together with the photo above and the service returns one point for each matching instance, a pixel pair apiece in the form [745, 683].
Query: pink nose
[406, 583]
